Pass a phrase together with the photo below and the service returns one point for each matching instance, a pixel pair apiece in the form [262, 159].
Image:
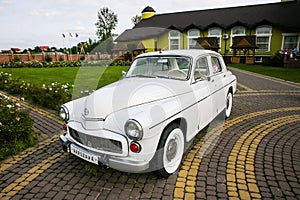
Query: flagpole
[76, 42]
[64, 36]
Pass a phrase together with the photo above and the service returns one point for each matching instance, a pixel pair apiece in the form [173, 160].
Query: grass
[289, 74]
[87, 77]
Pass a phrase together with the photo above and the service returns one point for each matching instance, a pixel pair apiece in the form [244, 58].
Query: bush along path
[49, 96]
[23, 125]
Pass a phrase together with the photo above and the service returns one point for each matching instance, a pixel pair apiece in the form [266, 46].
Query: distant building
[245, 34]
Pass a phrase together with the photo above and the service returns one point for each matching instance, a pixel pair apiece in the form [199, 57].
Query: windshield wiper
[142, 75]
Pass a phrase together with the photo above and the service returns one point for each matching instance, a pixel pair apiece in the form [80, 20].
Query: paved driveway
[255, 154]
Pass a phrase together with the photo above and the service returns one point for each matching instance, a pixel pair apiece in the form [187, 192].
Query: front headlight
[133, 130]
[63, 113]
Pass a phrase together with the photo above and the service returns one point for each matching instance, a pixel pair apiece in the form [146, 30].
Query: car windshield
[176, 67]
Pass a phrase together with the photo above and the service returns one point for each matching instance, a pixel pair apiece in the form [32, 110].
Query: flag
[63, 35]
[71, 35]
[76, 35]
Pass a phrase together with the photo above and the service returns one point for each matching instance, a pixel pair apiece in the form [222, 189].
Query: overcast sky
[30, 23]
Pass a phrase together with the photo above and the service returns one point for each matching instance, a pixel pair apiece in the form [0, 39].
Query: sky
[31, 23]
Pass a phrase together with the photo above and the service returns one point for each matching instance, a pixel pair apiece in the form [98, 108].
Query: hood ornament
[86, 111]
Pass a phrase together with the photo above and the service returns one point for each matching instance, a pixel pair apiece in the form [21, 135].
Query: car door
[216, 84]
[202, 92]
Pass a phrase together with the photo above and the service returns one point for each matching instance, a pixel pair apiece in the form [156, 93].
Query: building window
[237, 31]
[263, 38]
[290, 41]
[216, 32]
[174, 40]
[193, 35]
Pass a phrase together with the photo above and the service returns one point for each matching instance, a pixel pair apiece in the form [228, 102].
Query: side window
[216, 65]
[201, 68]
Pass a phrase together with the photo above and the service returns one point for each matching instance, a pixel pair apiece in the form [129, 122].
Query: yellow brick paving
[14, 159]
[13, 188]
[241, 181]
[187, 176]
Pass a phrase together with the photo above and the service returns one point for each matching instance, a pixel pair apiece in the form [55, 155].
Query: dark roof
[138, 34]
[129, 46]
[284, 15]
[244, 42]
[207, 43]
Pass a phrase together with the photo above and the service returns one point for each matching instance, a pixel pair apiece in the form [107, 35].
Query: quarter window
[193, 34]
[201, 68]
[216, 65]
[174, 40]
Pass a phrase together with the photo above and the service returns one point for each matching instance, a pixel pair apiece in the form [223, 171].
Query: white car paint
[155, 103]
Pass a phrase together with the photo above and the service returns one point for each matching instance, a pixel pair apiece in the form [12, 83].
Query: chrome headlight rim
[133, 130]
[64, 113]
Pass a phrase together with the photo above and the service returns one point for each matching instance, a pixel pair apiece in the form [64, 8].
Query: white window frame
[290, 34]
[269, 35]
[190, 37]
[219, 36]
[232, 35]
[172, 37]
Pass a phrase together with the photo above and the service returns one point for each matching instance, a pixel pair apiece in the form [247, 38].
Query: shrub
[48, 58]
[275, 60]
[49, 96]
[36, 64]
[16, 58]
[82, 57]
[61, 58]
[15, 128]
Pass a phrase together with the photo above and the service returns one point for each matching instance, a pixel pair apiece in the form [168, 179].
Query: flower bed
[16, 132]
[49, 96]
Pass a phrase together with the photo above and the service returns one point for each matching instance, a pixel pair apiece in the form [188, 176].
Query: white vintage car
[143, 122]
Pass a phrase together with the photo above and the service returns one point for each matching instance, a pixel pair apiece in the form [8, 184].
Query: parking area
[252, 155]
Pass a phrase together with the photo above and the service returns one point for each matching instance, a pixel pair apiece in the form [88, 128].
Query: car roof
[186, 52]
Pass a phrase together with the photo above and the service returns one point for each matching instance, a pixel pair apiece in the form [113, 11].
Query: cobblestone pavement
[254, 154]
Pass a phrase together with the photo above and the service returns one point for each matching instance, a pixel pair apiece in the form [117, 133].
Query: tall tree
[136, 19]
[107, 21]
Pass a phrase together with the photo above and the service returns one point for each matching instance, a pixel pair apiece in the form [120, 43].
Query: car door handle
[212, 80]
[224, 75]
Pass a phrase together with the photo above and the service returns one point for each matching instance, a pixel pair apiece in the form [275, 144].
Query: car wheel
[171, 150]
[228, 105]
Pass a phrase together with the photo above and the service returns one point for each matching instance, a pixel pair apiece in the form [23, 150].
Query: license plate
[85, 156]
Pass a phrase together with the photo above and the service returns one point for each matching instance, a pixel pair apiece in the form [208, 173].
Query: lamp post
[225, 38]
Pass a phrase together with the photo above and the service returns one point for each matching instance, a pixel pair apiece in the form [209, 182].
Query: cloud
[44, 13]
[4, 3]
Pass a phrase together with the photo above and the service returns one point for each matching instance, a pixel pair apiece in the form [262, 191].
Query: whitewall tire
[228, 105]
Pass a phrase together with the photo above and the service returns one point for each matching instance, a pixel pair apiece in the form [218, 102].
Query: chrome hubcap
[171, 149]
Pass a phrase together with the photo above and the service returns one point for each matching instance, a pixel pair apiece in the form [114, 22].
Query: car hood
[131, 92]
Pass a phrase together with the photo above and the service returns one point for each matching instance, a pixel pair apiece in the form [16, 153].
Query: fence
[10, 57]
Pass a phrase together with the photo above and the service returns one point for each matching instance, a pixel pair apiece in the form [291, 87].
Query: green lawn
[87, 77]
[289, 74]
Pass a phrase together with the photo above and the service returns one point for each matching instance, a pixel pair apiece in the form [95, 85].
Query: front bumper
[121, 164]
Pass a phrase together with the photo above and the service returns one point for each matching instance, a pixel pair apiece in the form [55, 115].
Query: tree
[136, 19]
[107, 21]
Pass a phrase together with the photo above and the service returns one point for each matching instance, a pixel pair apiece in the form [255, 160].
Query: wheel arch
[230, 90]
[182, 125]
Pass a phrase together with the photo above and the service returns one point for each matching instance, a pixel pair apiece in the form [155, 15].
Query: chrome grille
[102, 144]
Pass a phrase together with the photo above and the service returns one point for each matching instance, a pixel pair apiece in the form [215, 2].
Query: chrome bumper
[121, 164]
